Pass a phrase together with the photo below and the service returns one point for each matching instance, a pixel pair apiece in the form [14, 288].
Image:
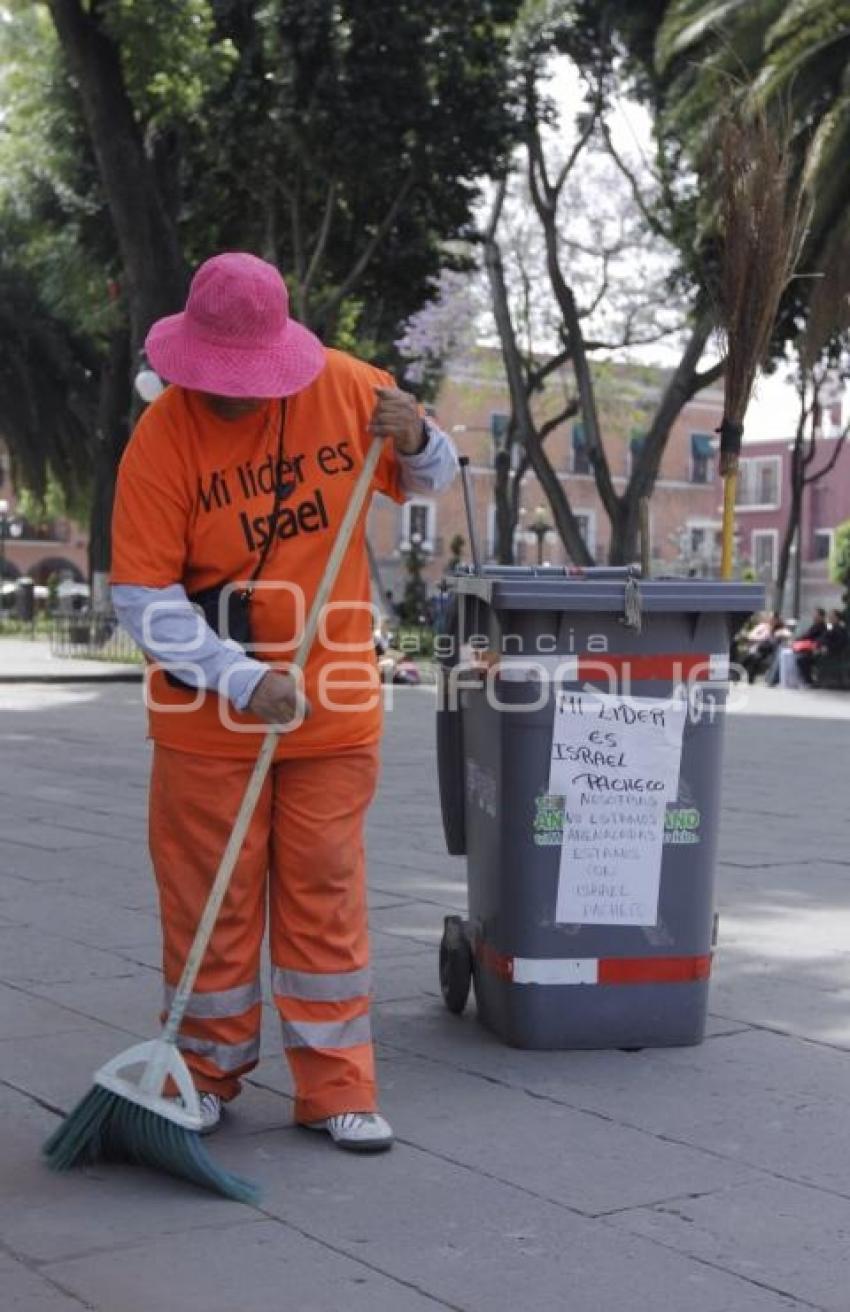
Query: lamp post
[4, 524]
[540, 526]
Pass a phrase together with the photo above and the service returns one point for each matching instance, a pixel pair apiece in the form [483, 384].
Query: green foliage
[790, 58]
[54, 502]
[416, 641]
[840, 563]
[173, 58]
[457, 546]
[341, 140]
[54, 227]
[330, 124]
[48, 389]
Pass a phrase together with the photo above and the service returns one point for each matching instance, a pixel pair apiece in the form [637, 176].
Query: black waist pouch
[234, 624]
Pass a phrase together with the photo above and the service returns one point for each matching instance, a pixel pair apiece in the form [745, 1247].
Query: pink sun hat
[235, 337]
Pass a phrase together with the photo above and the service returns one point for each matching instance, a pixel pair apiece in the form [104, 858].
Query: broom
[125, 1119]
[762, 217]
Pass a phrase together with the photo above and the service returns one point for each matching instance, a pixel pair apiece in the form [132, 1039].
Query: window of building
[758, 482]
[702, 458]
[499, 427]
[581, 458]
[491, 530]
[519, 538]
[764, 547]
[499, 424]
[699, 545]
[822, 540]
[636, 442]
[587, 527]
[418, 522]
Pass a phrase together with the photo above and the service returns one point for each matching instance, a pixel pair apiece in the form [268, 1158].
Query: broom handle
[266, 753]
[730, 489]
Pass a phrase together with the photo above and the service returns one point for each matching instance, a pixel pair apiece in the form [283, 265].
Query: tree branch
[321, 240]
[570, 409]
[574, 339]
[297, 243]
[679, 389]
[496, 210]
[706, 378]
[833, 459]
[537, 377]
[652, 220]
[366, 255]
[584, 137]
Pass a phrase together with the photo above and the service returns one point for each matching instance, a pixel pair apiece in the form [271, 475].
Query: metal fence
[97, 637]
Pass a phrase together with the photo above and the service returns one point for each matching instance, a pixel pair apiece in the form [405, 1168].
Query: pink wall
[826, 504]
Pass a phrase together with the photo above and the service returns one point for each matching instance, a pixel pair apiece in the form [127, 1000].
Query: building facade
[473, 405]
[50, 548]
[764, 499]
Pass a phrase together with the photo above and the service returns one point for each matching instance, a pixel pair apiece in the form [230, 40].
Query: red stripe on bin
[614, 970]
[661, 666]
[494, 961]
[653, 970]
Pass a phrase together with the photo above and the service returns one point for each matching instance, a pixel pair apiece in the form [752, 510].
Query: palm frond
[690, 22]
[801, 16]
[829, 301]
[800, 49]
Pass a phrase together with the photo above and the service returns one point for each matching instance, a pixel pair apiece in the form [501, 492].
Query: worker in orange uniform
[241, 470]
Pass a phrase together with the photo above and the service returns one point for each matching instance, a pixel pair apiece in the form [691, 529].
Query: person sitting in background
[807, 645]
[781, 636]
[760, 644]
[836, 639]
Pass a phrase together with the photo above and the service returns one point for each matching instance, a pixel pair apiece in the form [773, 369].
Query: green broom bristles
[106, 1127]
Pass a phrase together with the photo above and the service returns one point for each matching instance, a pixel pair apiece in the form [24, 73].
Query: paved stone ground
[715, 1179]
[24, 659]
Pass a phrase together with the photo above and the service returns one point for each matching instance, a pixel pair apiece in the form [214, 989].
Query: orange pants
[305, 846]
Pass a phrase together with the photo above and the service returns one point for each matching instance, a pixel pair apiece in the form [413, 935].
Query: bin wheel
[455, 965]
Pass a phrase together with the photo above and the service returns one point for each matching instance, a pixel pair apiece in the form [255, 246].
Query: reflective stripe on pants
[330, 986]
[225, 1002]
[326, 1033]
[227, 1057]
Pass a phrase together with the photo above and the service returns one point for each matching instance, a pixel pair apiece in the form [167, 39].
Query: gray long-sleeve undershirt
[168, 629]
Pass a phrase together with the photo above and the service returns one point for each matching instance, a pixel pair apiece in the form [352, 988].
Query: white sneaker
[210, 1111]
[359, 1132]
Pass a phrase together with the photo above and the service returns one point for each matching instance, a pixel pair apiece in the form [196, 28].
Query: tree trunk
[113, 423]
[793, 524]
[504, 520]
[584, 379]
[683, 385]
[154, 270]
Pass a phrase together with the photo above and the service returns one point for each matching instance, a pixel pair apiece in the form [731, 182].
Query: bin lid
[601, 588]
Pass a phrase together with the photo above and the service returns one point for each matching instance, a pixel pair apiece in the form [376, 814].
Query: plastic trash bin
[580, 728]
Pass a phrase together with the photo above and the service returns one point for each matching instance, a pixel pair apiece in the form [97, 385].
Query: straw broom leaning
[763, 212]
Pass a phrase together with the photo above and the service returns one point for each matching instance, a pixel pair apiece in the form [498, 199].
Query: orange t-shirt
[193, 506]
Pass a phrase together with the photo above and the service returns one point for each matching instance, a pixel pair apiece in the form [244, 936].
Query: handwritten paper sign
[615, 761]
